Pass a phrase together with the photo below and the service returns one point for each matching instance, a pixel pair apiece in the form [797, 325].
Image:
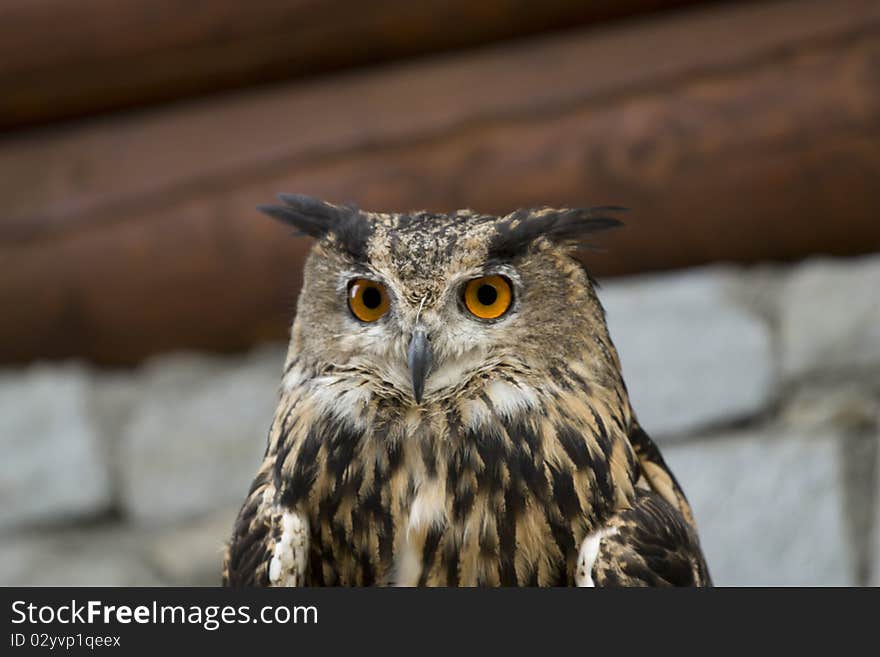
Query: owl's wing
[649, 544]
[269, 544]
[655, 542]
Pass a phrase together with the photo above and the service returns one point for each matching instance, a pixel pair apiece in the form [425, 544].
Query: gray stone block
[195, 438]
[830, 319]
[769, 507]
[847, 406]
[52, 468]
[101, 557]
[192, 554]
[692, 356]
[850, 409]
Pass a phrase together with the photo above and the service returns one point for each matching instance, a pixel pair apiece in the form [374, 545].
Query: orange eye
[367, 300]
[488, 297]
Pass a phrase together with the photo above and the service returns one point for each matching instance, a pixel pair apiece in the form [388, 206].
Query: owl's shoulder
[649, 544]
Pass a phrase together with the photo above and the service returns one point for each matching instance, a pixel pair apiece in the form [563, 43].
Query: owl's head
[419, 307]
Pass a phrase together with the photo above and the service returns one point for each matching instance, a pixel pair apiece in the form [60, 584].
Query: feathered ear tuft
[519, 230]
[319, 219]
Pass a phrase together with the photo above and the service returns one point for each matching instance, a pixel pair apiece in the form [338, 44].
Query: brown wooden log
[754, 137]
[61, 58]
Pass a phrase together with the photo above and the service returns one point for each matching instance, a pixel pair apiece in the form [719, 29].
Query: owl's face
[420, 307]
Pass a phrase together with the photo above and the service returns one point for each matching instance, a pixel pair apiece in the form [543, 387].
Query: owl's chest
[429, 505]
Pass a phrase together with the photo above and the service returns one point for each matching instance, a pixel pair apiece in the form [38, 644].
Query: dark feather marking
[463, 503]
[527, 457]
[562, 578]
[327, 506]
[283, 450]
[305, 471]
[394, 451]
[513, 505]
[386, 536]
[348, 487]
[520, 431]
[284, 422]
[459, 469]
[316, 570]
[367, 574]
[457, 480]
[564, 493]
[386, 540]
[341, 447]
[453, 421]
[645, 446]
[451, 557]
[429, 458]
[575, 446]
[563, 537]
[603, 490]
[338, 533]
[381, 514]
[329, 570]
[602, 438]
[490, 446]
[429, 553]
[639, 570]
[559, 378]
[248, 571]
[345, 488]
[579, 381]
[246, 543]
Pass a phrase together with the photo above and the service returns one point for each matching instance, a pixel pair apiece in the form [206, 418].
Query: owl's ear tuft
[318, 219]
[518, 231]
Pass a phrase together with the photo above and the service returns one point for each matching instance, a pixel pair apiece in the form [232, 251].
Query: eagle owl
[452, 413]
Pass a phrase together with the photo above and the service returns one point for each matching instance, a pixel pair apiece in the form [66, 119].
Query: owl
[452, 413]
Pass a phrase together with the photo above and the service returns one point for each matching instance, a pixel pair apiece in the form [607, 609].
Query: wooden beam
[755, 137]
[62, 58]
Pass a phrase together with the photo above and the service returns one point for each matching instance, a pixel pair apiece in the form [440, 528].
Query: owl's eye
[367, 300]
[488, 297]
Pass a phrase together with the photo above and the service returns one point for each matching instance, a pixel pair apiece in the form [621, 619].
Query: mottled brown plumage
[521, 464]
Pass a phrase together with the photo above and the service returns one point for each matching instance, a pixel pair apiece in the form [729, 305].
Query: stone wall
[761, 385]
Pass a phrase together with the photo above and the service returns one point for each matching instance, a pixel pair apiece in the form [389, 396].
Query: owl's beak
[419, 358]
